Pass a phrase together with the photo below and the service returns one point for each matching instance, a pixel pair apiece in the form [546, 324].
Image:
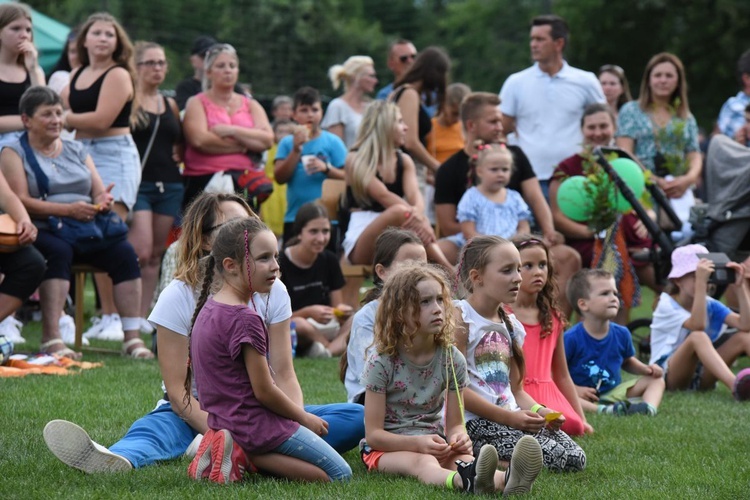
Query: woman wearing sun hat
[686, 331]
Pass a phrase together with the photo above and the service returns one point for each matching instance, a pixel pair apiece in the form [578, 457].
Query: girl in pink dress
[547, 378]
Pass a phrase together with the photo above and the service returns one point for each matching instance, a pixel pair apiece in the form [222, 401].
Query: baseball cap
[202, 44]
[685, 260]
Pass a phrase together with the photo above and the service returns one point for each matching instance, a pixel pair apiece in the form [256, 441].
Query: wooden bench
[79, 275]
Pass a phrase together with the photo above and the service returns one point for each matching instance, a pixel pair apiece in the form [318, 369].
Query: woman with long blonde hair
[382, 187]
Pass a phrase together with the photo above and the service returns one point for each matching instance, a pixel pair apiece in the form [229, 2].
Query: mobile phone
[722, 274]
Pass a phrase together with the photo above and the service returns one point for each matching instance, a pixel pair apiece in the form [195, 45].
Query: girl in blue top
[490, 207]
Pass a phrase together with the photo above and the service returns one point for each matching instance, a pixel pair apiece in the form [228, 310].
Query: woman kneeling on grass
[168, 431]
[404, 427]
[247, 412]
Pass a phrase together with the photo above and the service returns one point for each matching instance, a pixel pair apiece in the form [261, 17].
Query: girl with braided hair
[252, 422]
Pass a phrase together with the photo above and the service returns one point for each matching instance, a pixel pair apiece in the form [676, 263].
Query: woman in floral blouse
[659, 128]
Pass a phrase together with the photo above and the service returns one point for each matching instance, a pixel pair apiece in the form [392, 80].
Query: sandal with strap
[139, 352]
[65, 352]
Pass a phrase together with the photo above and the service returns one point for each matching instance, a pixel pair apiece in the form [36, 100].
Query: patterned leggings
[560, 452]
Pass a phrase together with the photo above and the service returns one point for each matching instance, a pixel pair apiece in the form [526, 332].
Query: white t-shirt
[176, 305]
[488, 353]
[548, 111]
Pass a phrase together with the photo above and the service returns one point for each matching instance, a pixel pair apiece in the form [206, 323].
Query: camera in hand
[722, 274]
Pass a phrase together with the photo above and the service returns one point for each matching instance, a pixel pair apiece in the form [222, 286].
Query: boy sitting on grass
[596, 349]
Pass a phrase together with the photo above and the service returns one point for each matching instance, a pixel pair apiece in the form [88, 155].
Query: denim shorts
[117, 161]
[163, 198]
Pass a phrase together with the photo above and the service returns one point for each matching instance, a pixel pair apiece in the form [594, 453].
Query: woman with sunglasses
[615, 86]
[223, 128]
[158, 136]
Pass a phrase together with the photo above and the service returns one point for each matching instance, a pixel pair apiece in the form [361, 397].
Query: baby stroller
[662, 245]
[722, 224]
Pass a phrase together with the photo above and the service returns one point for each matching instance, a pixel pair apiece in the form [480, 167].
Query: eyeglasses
[153, 64]
[407, 57]
[612, 67]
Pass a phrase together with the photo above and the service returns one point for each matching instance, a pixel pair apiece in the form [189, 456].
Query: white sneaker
[146, 327]
[68, 330]
[96, 327]
[318, 350]
[73, 446]
[193, 448]
[10, 327]
[112, 329]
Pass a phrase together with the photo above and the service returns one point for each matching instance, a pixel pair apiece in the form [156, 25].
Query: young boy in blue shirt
[325, 154]
[597, 349]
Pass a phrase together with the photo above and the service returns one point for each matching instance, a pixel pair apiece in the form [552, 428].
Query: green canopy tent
[50, 38]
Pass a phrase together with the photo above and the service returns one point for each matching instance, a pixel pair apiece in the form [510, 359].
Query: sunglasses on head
[407, 57]
[612, 67]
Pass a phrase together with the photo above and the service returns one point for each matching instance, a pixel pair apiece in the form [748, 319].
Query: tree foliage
[284, 44]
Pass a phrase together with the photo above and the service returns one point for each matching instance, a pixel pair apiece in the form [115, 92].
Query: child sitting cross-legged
[414, 371]
[596, 349]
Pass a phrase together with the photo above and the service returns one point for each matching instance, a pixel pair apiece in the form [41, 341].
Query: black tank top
[10, 95]
[396, 187]
[160, 166]
[424, 121]
[85, 100]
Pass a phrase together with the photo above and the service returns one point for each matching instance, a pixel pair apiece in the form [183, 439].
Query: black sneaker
[642, 408]
[525, 466]
[478, 477]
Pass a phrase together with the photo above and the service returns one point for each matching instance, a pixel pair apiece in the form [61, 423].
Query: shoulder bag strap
[153, 134]
[41, 178]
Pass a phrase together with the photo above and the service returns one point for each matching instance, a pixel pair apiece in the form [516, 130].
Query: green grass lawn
[697, 447]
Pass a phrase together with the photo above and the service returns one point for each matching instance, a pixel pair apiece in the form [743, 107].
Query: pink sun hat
[685, 260]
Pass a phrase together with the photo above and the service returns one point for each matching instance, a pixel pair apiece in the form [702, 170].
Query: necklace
[55, 150]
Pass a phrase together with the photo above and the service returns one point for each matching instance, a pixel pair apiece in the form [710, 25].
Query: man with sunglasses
[542, 105]
[401, 55]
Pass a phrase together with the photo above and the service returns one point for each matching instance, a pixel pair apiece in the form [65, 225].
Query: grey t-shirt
[340, 113]
[414, 395]
[68, 176]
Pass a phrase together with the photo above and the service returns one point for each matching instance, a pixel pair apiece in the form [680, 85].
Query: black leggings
[118, 260]
[23, 270]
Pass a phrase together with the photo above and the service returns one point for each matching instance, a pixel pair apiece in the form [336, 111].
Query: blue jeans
[163, 435]
[307, 446]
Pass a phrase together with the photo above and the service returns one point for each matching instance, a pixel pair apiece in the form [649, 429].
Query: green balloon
[632, 174]
[573, 198]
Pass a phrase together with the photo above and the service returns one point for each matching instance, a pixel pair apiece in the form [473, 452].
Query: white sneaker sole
[192, 449]
[73, 446]
[486, 466]
[525, 466]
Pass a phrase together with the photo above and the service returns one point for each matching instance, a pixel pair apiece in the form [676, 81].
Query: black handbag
[106, 229]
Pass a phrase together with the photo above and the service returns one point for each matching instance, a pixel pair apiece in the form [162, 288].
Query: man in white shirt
[542, 105]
